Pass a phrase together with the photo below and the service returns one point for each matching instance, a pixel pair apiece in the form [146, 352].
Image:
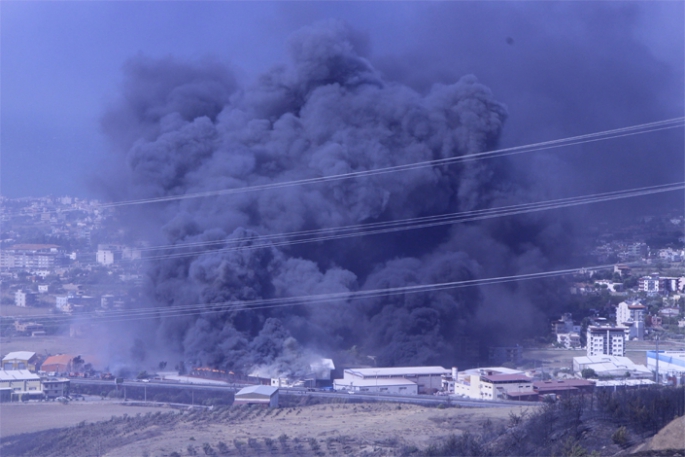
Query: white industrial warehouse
[610, 365]
[397, 380]
[671, 365]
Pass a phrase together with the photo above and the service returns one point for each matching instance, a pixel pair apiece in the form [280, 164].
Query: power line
[327, 234]
[569, 141]
[227, 306]
[637, 129]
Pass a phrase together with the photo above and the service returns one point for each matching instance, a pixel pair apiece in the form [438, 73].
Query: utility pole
[657, 358]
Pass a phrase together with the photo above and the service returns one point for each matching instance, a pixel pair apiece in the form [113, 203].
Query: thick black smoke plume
[188, 127]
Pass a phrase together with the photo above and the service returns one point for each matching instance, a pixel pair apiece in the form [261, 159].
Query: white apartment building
[631, 315]
[23, 299]
[606, 340]
[104, 256]
[29, 256]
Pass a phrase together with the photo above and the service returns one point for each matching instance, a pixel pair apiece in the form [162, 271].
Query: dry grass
[331, 429]
[11, 310]
[30, 417]
[49, 344]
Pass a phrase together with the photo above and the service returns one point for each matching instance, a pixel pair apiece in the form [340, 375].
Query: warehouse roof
[507, 378]
[563, 382]
[257, 389]
[605, 364]
[625, 383]
[374, 382]
[397, 371]
[18, 375]
[19, 355]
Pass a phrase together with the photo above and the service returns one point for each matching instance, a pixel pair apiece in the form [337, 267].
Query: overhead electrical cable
[649, 127]
[226, 306]
[376, 228]
[570, 141]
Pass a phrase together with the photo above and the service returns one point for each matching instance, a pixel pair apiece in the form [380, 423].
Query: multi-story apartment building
[631, 315]
[606, 340]
[29, 256]
[23, 299]
[649, 284]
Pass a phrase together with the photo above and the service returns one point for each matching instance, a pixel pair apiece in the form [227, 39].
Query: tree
[588, 373]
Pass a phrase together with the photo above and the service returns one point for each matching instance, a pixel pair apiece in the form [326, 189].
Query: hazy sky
[562, 68]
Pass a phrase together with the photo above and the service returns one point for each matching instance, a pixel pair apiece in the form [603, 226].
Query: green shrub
[223, 448]
[620, 436]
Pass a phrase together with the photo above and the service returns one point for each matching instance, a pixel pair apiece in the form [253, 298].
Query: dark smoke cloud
[187, 127]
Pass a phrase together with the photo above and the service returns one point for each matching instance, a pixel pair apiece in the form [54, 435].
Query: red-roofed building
[563, 387]
[62, 363]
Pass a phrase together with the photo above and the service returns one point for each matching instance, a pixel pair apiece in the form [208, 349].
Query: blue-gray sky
[562, 68]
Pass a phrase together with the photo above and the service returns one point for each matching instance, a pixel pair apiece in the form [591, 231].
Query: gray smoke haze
[189, 127]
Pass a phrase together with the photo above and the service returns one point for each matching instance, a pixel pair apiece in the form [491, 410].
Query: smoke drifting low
[189, 127]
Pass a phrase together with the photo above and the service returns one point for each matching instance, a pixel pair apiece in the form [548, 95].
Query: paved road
[414, 399]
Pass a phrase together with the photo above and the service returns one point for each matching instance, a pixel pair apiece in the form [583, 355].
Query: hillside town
[61, 257]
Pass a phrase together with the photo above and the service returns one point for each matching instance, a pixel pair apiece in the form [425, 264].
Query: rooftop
[625, 382]
[32, 247]
[62, 359]
[257, 389]
[19, 355]
[374, 382]
[397, 371]
[602, 328]
[562, 383]
[18, 375]
[506, 378]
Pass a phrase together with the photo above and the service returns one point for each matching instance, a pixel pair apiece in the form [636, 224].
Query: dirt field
[52, 344]
[360, 428]
[330, 429]
[11, 310]
[553, 358]
[670, 437]
[18, 418]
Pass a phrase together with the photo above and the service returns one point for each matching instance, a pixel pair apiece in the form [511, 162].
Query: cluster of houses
[605, 338]
[606, 342]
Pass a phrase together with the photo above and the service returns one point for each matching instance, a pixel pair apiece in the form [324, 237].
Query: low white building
[616, 384]
[611, 366]
[399, 386]
[104, 255]
[20, 360]
[569, 340]
[257, 395]
[468, 383]
[22, 382]
[670, 312]
[427, 379]
[24, 299]
[671, 365]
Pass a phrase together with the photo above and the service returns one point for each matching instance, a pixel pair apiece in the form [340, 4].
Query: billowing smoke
[189, 127]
